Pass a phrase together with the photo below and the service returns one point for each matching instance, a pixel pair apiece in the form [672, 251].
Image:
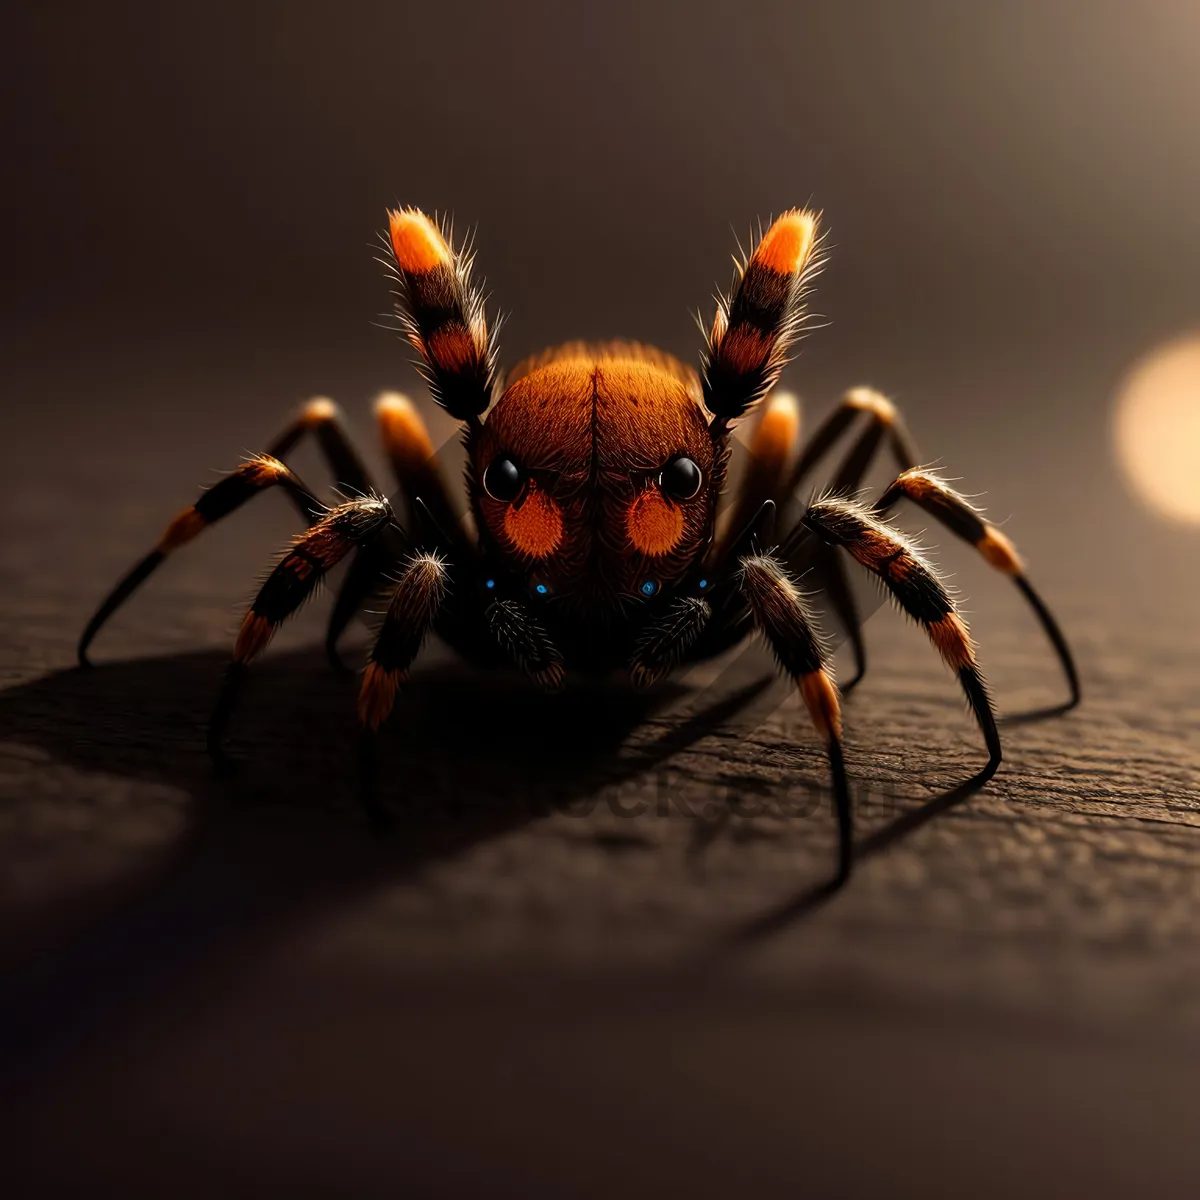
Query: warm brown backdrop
[256, 997]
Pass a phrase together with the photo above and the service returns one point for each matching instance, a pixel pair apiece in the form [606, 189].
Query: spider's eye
[503, 479]
[680, 478]
[649, 587]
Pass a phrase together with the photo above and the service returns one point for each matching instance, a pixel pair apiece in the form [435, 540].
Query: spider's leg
[664, 643]
[367, 572]
[410, 452]
[964, 520]
[916, 587]
[830, 574]
[884, 422]
[319, 417]
[525, 641]
[757, 326]
[783, 618]
[322, 418]
[770, 452]
[414, 605]
[290, 584]
[442, 314]
[218, 501]
[427, 502]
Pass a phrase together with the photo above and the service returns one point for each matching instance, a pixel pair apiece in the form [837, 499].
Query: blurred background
[193, 198]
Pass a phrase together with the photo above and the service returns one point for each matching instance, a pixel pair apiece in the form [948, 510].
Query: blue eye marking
[491, 583]
[540, 589]
[650, 587]
[703, 584]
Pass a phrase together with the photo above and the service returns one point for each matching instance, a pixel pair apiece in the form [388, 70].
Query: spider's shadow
[468, 757]
[808, 901]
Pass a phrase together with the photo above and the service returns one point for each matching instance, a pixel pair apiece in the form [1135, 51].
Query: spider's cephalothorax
[596, 475]
[594, 484]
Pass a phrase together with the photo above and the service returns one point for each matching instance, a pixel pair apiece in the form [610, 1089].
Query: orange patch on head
[535, 525]
[417, 242]
[787, 244]
[653, 523]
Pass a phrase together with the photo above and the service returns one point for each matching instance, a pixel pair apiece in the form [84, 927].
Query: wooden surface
[233, 983]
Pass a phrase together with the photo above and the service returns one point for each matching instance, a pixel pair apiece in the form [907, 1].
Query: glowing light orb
[1157, 429]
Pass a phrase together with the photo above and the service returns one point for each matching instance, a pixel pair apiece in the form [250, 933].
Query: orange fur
[377, 694]
[788, 243]
[869, 400]
[915, 483]
[264, 469]
[417, 242]
[299, 566]
[719, 326]
[820, 696]
[325, 543]
[953, 641]
[404, 435]
[534, 527]
[745, 348]
[318, 409]
[998, 550]
[253, 636]
[595, 419]
[181, 530]
[655, 525]
[452, 349]
[873, 548]
[777, 435]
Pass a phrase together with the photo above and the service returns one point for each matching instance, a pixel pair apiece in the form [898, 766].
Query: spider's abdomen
[595, 475]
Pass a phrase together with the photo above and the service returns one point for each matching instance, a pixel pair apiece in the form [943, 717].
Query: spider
[593, 486]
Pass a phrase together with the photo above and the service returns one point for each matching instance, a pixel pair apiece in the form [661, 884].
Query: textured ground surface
[233, 982]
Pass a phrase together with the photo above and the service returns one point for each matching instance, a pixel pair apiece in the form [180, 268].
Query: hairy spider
[594, 485]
